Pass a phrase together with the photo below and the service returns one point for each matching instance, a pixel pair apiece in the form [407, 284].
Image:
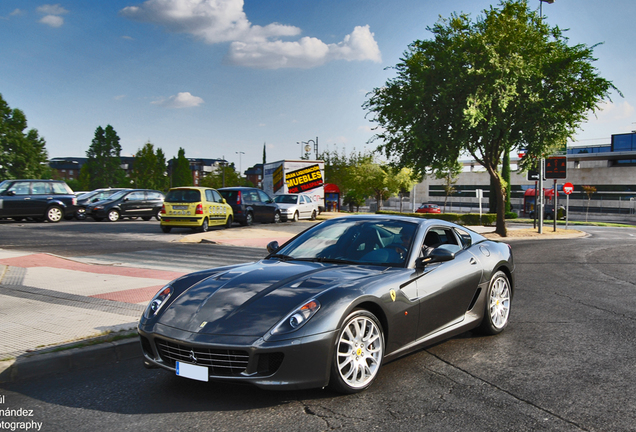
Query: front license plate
[187, 370]
[180, 207]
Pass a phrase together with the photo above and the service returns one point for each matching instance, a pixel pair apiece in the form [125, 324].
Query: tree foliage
[22, 153]
[216, 180]
[483, 87]
[149, 168]
[103, 167]
[181, 172]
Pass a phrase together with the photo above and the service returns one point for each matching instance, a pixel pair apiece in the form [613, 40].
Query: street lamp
[240, 169]
[539, 197]
[307, 148]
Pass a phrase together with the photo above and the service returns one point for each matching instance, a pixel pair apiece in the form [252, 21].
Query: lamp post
[539, 196]
[240, 169]
[307, 148]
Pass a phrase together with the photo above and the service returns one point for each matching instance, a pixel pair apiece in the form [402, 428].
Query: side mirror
[272, 247]
[11, 193]
[223, 201]
[436, 255]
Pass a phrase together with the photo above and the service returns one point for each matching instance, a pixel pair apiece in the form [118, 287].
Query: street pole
[556, 197]
[240, 168]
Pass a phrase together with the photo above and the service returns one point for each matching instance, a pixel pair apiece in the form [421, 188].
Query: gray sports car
[331, 305]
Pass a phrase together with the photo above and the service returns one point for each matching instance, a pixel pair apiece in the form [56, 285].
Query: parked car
[37, 199]
[428, 208]
[90, 197]
[330, 306]
[195, 207]
[251, 205]
[131, 203]
[296, 206]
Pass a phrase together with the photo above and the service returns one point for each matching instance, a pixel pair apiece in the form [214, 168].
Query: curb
[32, 366]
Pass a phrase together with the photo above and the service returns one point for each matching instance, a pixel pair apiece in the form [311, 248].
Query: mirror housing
[272, 247]
[435, 256]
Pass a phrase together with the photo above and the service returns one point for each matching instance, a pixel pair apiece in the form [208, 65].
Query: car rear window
[184, 195]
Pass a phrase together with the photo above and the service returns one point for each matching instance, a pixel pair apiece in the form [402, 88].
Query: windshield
[286, 199]
[354, 241]
[4, 185]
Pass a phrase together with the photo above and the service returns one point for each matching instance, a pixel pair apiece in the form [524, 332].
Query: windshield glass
[356, 241]
[4, 185]
[286, 199]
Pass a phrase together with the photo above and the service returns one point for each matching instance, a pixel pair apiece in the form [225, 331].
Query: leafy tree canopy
[483, 87]
[103, 167]
[181, 172]
[22, 153]
[149, 168]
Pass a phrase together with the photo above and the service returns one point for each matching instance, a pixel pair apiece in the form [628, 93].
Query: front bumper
[299, 363]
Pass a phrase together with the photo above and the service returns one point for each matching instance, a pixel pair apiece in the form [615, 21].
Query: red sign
[568, 188]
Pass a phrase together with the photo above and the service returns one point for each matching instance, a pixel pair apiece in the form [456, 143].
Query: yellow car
[195, 207]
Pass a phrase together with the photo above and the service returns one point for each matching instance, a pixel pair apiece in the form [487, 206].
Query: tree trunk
[501, 207]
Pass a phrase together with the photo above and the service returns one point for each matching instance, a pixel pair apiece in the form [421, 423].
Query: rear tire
[497, 307]
[54, 214]
[146, 218]
[228, 222]
[204, 225]
[249, 219]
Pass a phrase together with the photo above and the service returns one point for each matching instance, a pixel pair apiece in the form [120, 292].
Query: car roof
[191, 187]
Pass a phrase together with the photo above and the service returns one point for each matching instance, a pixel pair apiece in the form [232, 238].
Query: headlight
[158, 301]
[298, 318]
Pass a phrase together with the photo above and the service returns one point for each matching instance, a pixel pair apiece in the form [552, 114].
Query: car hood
[249, 300]
[286, 206]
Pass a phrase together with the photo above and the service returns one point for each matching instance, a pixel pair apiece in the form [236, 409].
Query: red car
[428, 208]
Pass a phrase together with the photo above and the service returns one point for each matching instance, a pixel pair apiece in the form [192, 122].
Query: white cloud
[181, 100]
[52, 20]
[610, 111]
[49, 9]
[217, 21]
[52, 15]
[16, 12]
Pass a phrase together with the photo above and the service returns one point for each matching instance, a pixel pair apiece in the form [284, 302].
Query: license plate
[180, 207]
[187, 370]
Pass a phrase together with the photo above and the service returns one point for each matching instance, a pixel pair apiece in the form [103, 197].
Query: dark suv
[144, 203]
[37, 199]
[251, 205]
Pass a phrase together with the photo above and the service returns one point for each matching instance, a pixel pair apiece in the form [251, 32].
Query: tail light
[199, 209]
[163, 209]
[238, 197]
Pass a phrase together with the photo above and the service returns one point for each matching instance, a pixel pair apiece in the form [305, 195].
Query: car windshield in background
[4, 185]
[183, 195]
[353, 241]
[286, 199]
[230, 195]
[116, 195]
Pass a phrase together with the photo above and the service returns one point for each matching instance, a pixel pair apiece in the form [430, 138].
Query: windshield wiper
[333, 260]
[282, 257]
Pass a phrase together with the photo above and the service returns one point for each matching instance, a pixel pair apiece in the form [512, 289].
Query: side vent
[474, 300]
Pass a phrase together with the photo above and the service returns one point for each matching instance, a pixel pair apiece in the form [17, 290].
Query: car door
[445, 290]
[132, 203]
[267, 206]
[304, 209]
[17, 200]
[41, 196]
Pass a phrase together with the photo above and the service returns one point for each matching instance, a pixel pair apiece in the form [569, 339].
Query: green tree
[450, 175]
[232, 178]
[149, 168]
[181, 172]
[505, 81]
[162, 179]
[380, 181]
[339, 168]
[103, 167]
[22, 153]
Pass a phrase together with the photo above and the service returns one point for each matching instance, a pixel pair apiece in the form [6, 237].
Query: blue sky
[221, 77]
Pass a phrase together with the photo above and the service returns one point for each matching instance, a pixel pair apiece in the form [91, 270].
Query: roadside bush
[487, 219]
[510, 215]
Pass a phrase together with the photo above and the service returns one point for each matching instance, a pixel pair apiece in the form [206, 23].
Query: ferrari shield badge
[203, 324]
[392, 292]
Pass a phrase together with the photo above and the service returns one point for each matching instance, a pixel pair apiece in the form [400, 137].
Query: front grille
[221, 362]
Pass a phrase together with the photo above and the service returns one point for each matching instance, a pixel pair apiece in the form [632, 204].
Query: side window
[155, 196]
[254, 197]
[209, 196]
[41, 188]
[263, 196]
[441, 237]
[465, 238]
[135, 196]
[60, 188]
[21, 188]
[216, 197]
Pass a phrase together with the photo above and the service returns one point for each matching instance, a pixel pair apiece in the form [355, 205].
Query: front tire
[113, 216]
[295, 217]
[313, 215]
[497, 308]
[358, 354]
[276, 217]
[54, 214]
